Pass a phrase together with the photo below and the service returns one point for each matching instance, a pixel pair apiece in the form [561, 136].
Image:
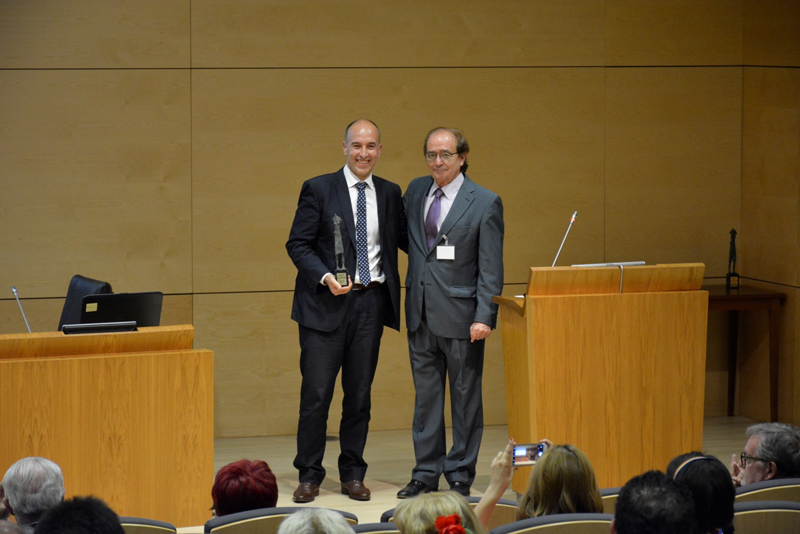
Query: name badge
[446, 251]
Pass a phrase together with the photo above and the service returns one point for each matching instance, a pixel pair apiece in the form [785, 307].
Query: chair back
[782, 489]
[140, 525]
[261, 521]
[505, 512]
[559, 524]
[609, 496]
[79, 287]
[374, 528]
[760, 517]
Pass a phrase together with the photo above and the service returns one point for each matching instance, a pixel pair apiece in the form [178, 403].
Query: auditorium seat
[760, 517]
[609, 496]
[262, 521]
[560, 524]
[140, 525]
[79, 287]
[370, 528]
[782, 489]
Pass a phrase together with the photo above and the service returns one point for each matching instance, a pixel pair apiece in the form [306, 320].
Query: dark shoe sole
[411, 495]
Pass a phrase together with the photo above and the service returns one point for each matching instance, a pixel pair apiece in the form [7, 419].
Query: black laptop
[144, 308]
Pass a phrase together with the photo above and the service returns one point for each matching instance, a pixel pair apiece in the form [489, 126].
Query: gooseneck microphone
[14, 290]
[572, 220]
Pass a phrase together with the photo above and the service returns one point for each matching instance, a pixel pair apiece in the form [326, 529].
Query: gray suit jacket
[457, 292]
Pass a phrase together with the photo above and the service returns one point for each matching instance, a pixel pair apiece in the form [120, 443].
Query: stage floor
[390, 455]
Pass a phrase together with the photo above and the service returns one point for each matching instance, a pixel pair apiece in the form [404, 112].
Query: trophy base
[731, 281]
[341, 278]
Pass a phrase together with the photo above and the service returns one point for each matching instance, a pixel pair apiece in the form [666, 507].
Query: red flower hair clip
[450, 524]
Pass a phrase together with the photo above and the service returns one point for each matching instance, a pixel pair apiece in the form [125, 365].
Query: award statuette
[732, 278]
[338, 248]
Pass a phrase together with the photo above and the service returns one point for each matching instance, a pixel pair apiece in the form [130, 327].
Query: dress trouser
[353, 347]
[433, 358]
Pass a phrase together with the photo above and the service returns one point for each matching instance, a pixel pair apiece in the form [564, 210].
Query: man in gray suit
[455, 266]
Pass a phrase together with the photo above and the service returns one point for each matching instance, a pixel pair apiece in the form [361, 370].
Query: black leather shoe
[462, 488]
[414, 488]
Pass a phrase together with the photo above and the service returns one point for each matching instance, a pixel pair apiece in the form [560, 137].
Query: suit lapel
[421, 198]
[462, 202]
[380, 195]
[345, 206]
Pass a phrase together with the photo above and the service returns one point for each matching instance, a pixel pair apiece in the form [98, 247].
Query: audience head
[32, 486]
[315, 521]
[653, 503]
[772, 451]
[711, 487]
[80, 515]
[242, 486]
[419, 515]
[562, 482]
[7, 527]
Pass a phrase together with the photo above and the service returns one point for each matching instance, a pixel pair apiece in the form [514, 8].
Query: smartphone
[528, 454]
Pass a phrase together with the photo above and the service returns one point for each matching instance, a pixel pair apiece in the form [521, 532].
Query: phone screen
[528, 454]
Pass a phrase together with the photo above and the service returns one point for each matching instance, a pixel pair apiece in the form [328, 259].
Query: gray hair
[780, 443]
[7, 527]
[315, 521]
[33, 485]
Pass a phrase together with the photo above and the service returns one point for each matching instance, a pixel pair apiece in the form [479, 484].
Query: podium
[611, 360]
[129, 417]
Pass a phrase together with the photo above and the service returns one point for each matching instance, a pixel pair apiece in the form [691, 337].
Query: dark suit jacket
[456, 293]
[311, 248]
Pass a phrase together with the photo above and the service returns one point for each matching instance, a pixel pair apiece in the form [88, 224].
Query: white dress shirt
[446, 202]
[373, 231]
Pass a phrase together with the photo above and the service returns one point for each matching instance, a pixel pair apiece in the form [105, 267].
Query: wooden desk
[743, 299]
[128, 416]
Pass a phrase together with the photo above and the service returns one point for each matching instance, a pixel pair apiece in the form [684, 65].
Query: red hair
[242, 486]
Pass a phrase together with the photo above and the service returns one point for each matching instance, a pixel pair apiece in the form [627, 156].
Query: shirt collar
[450, 189]
[352, 179]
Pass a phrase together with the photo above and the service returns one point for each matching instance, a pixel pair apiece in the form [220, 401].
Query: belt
[359, 287]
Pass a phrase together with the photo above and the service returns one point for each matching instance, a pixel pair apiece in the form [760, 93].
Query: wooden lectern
[611, 360]
[128, 416]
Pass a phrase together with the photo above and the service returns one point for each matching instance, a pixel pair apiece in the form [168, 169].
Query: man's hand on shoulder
[479, 331]
[334, 286]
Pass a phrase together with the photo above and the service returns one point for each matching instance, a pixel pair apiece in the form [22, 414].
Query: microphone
[14, 290]
[572, 220]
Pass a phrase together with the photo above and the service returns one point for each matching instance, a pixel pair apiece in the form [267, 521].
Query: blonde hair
[418, 515]
[562, 482]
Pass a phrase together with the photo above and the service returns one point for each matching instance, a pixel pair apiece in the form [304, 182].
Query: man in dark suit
[455, 266]
[341, 324]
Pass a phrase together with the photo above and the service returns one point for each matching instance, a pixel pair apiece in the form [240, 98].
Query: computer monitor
[144, 308]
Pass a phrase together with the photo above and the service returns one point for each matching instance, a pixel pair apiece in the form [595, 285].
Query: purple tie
[432, 220]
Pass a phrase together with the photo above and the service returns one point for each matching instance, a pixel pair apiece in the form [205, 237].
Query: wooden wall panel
[716, 397]
[673, 32]
[259, 133]
[96, 171]
[772, 33]
[673, 156]
[317, 33]
[770, 172]
[753, 374]
[42, 314]
[257, 370]
[50, 34]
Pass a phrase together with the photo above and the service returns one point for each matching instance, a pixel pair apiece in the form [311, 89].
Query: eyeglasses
[445, 156]
[743, 459]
